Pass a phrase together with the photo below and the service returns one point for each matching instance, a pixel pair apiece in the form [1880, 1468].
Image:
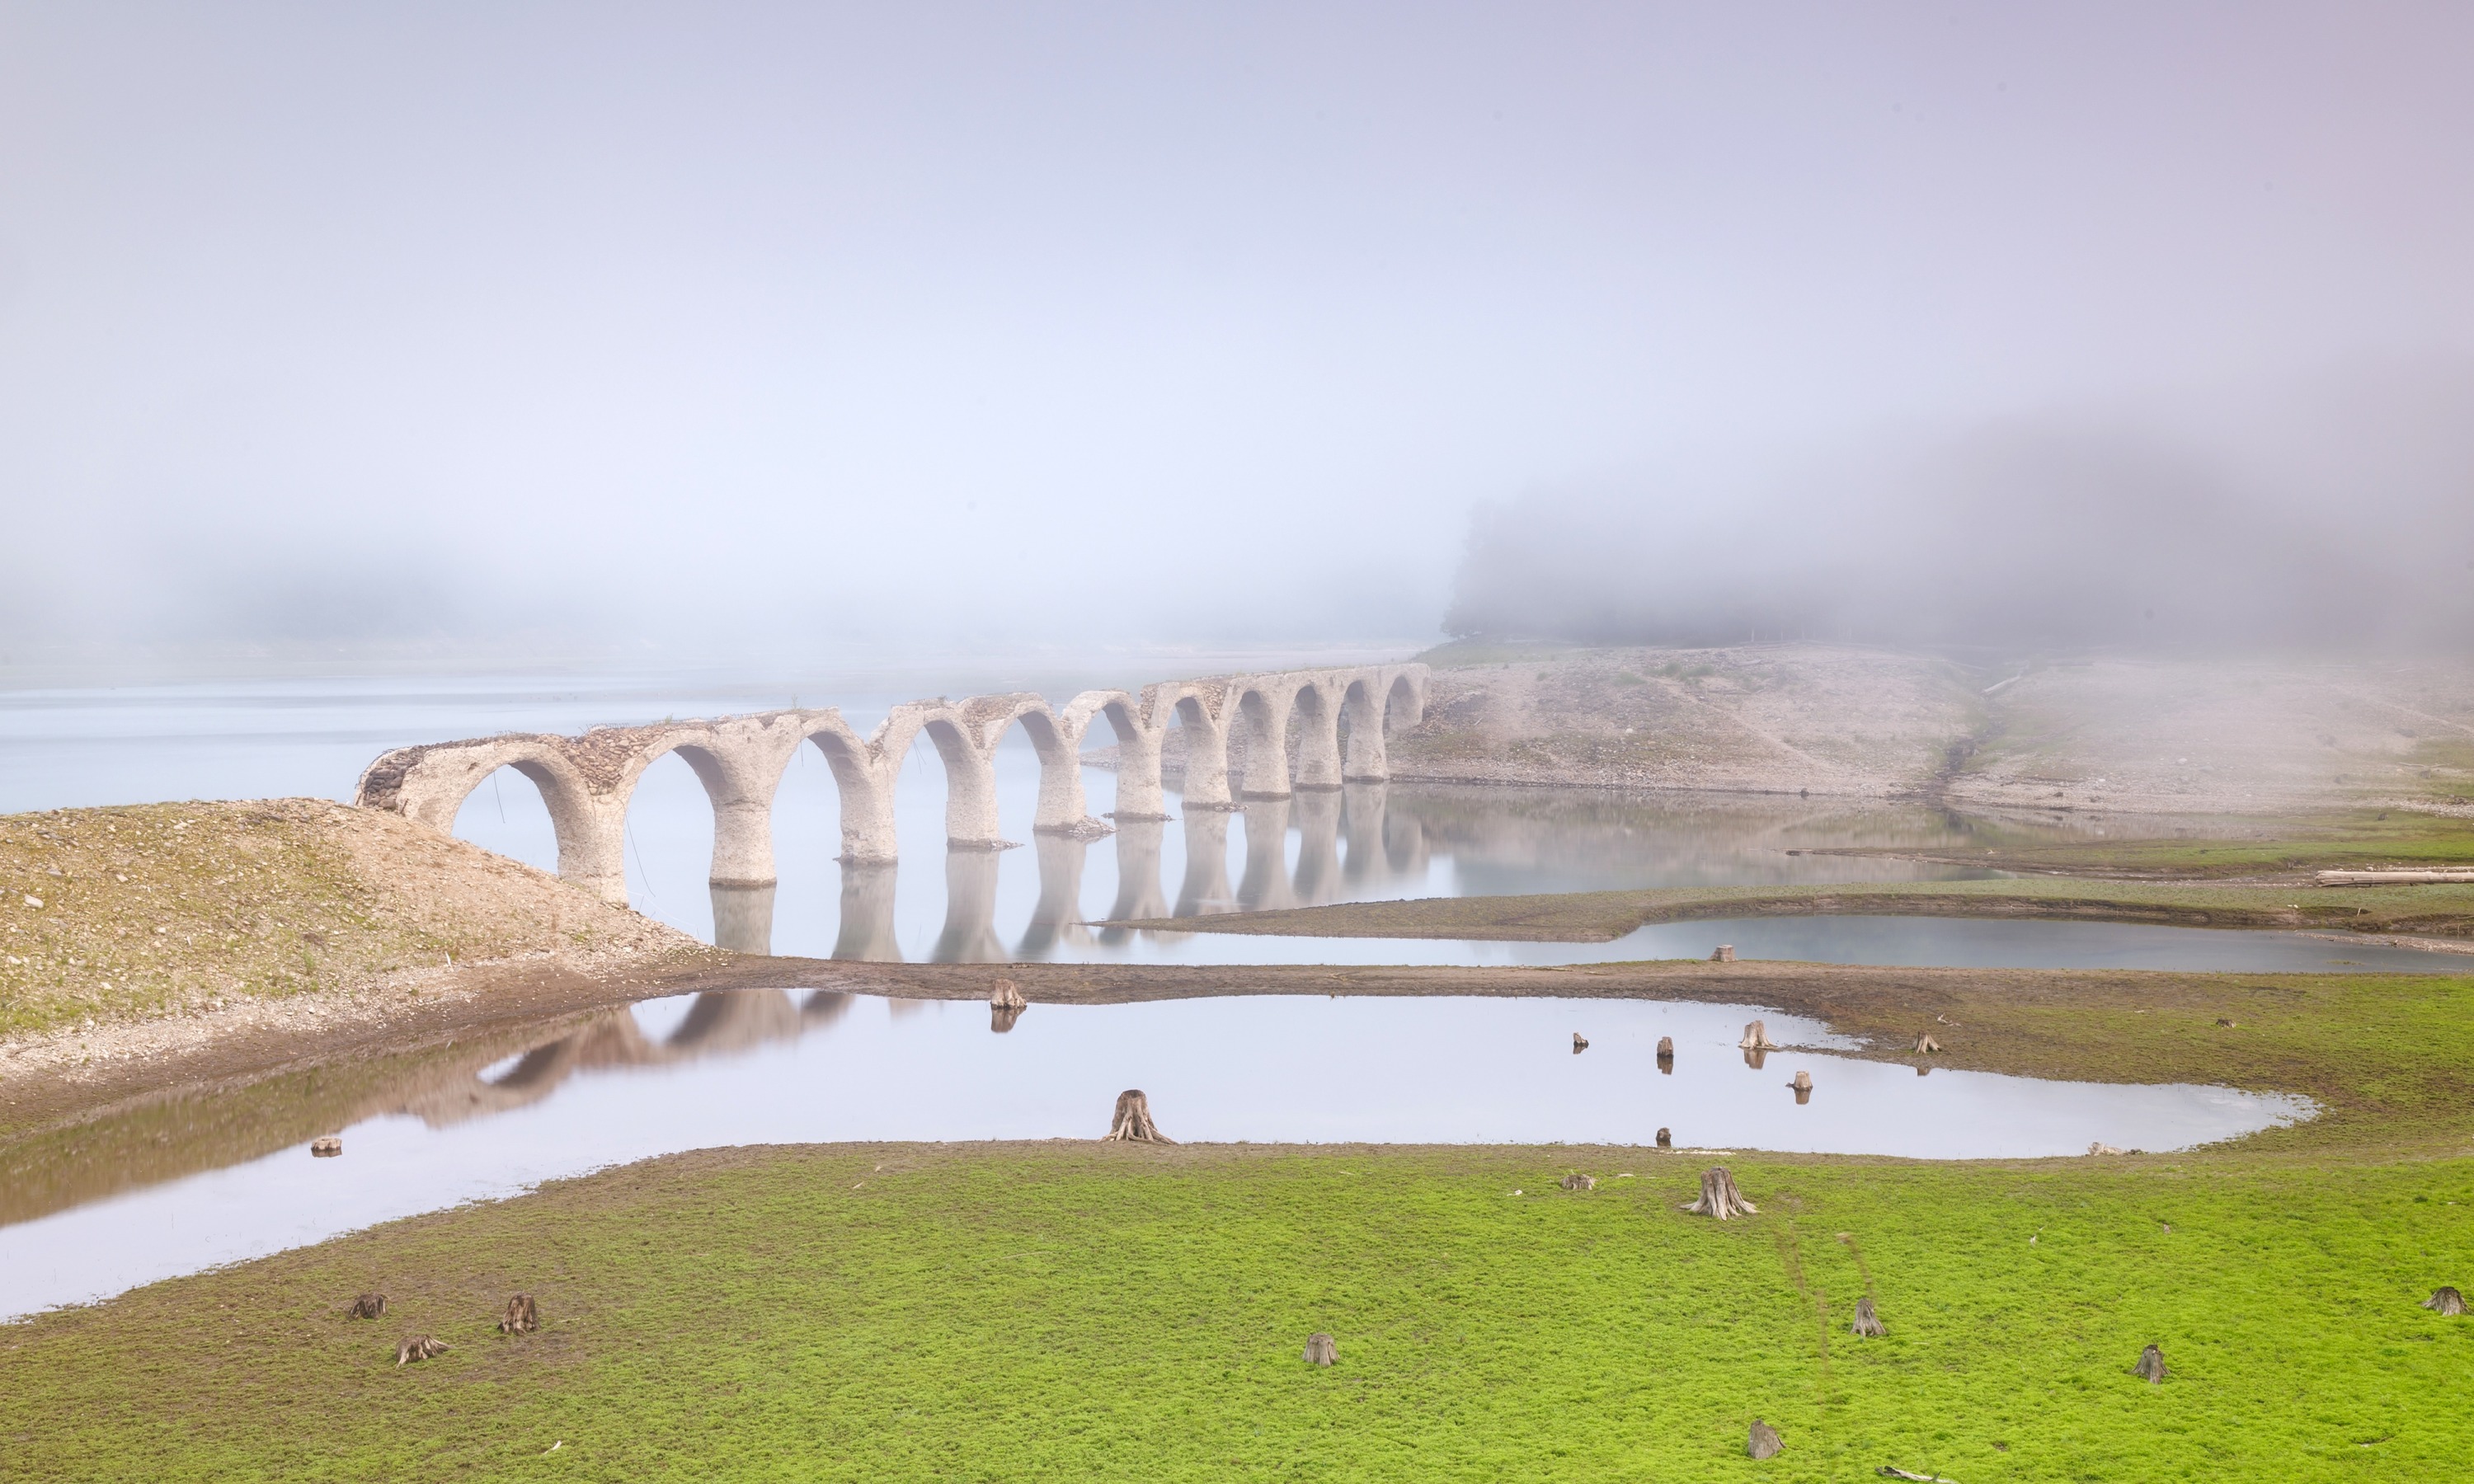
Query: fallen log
[1867, 1323]
[1132, 1124]
[2439, 877]
[2447, 1302]
[1894, 1472]
[1719, 1196]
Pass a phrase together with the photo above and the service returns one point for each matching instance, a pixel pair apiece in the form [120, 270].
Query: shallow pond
[768, 1066]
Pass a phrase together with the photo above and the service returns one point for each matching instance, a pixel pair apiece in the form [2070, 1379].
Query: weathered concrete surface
[1335, 720]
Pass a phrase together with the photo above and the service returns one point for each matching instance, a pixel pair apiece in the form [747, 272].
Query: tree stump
[2224, 1024]
[1665, 1139]
[1134, 1123]
[1719, 1196]
[2448, 1302]
[326, 1148]
[2151, 1366]
[369, 1305]
[1005, 996]
[523, 1316]
[1724, 953]
[1867, 1323]
[1666, 1048]
[1764, 1443]
[1802, 1085]
[1580, 1044]
[1579, 1181]
[1757, 1038]
[2099, 1148]
[1319, 1350]
[1925, 1045]
[419, 1346]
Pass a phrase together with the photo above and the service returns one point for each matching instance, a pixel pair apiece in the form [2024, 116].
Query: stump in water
[369, 1305]
[1719, 1196]
[1005, 996]
[1724, 953]
[1319, 1350]
[2151, 1366]
[1134, 1123]
[1802, 1085]
[419, 1346]
[522, 1317]
[1579, 1181]
[1757, 1038]
[326, 1148]
[1867, 1323]
[1925, 1045]
[1666, 1053]
[1665, 1139]
[2447, 1301]
[1580, 1044]
[1764, 1443]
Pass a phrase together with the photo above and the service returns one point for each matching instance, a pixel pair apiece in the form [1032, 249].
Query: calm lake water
[771, 1066]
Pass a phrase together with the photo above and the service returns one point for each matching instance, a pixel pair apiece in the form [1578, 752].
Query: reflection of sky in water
[761, 1066]
[1364, 842]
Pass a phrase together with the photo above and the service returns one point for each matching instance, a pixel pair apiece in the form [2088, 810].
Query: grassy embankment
[128, 914]
[1077, 1312]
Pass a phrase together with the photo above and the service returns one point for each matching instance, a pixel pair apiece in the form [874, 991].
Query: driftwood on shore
[1719, 1196]
[1132, 1124]
[2442, 876]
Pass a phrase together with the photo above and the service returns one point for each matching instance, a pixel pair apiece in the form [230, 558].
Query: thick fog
[758, 328]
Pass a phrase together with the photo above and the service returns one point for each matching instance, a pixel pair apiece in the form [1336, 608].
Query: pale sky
[1030, 324]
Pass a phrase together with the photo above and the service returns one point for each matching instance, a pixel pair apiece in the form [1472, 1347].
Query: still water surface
[770, 1066]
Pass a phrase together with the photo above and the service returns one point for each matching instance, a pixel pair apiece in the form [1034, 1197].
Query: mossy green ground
[1077, 1312]
[1073, 1313]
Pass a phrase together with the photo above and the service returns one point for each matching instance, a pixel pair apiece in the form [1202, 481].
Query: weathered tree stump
[1802, 1085]
[523, 1316]
[1666, 1048]
[2151, 1366]
[419, 1346]
[1724, 953]
[1319, 1350]
[1580, 1181]
[326, 1148]
[1580, 1044]
[1134, 1123]
[369, 1305]
[1665, 1139]
[1867, 1321]
[1005, 996]
[2101, 1148]
[1719, 1196]
[1757, 1038]
[2448, 1302]
[1764, 1443]
[1925, 1045]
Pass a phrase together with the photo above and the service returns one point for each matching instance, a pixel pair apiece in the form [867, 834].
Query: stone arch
[1139, 733]
[430, 784]
[863, 769]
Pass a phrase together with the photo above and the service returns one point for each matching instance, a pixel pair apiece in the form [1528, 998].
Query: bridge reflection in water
[1348, 845]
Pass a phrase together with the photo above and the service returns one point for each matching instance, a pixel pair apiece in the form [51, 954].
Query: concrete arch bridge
[1296, 730]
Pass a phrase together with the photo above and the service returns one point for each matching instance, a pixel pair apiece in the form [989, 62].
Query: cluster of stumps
[521, 1316]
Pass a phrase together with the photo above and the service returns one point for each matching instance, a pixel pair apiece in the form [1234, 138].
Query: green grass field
[1079, 1311]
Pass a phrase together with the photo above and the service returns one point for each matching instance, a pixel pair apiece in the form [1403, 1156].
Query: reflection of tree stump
[2151, 1366]
[1764, 1443]
[1005, 996]
[1925, 1045]
[2447, 1301]
[1133, 1121]
[1319, 1350]
[521, 1318]
[369, 1305]
[1867, 1323]
[419, 1346]
[1580, 1181]
[1754, 1059]
[1665, 1139]
[1720, 1198]
[1757, 1038]
[1724, 953]
[1001, 1020]
[326, 1148]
